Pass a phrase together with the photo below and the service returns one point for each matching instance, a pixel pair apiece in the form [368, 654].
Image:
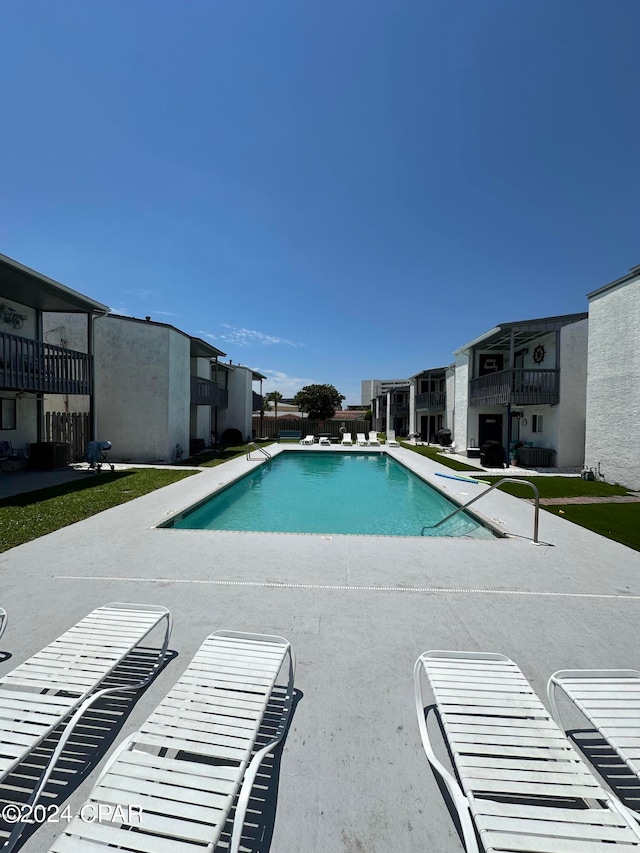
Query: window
[536, 423]
[7, 413]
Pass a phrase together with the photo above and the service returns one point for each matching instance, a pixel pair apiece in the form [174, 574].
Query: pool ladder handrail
[486, 492]
[254, 446]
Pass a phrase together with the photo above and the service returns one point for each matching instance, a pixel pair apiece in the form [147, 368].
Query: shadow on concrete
[261, 813]
[93, 737]
[613, 770]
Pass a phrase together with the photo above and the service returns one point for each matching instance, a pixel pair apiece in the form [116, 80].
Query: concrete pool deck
[358, 611]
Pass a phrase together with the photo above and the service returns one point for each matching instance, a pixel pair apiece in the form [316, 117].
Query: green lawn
[559, 487]
[27, 516]
[211, 458]
[620, 522]
[435, 454]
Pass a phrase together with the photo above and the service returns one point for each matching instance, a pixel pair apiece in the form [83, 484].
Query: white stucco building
[525, 382]
[32, 363]
[612, 444]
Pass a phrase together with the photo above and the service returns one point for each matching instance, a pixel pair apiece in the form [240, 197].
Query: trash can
[492, 454]
[48, 455]
[444, 437]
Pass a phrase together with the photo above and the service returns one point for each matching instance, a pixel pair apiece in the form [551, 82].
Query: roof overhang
[429, 370]
[201, 349]
[28, 287]
[523, 332]
[633, 273]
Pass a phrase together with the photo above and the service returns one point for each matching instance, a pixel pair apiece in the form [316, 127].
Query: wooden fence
[70, 427]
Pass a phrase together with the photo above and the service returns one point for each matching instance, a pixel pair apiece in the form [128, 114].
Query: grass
[620, 522]
[32, 514]
[435, 454]
[211, 458]
[559, 487]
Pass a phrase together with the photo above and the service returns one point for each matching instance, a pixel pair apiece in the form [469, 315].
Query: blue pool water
[353, 493]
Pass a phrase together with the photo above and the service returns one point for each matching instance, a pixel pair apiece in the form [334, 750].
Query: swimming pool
[352, 493]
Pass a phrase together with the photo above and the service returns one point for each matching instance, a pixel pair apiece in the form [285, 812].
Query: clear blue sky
[327, 191]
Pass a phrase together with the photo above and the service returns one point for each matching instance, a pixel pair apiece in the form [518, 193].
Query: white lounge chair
[64, 678]
[610, 700]
[185, 765]
[373, 438]
[346, 438]
[308, 439]
[3, 621]
[361, 439]
[523, 786]
[391, 439]
[324, 440]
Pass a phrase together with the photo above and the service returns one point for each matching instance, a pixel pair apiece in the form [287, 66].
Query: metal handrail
[253, 445]
[486, 492]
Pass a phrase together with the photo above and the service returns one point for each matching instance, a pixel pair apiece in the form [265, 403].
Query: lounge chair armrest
[459, 799]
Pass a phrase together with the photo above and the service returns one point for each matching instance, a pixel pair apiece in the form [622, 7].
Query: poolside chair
[3, 621]
[361, 439]
[391, 439]
[373, 438]
[64, 679]
[186, 763]
[610, 700]
[522, 785]
[308, 439]
[346, 438]
[324, 440]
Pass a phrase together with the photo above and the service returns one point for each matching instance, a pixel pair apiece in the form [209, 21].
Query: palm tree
[274, 397]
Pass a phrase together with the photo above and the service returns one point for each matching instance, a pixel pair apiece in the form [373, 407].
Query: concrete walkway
[358, 610]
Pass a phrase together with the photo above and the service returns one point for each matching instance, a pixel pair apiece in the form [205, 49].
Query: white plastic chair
[64, 678]
[308, 439]
[391, 439]
[361, 439]
[190, 758]
[373, 438]
[522, 785]
[346, 438]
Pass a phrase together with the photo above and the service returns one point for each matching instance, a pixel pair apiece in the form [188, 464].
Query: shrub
[232, 436]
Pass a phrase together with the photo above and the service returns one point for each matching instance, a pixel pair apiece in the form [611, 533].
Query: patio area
[353, 777]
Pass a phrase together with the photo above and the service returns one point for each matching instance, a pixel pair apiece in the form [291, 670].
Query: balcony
[519, 387]
[257, 401]
[206, 392]
[28, 365]
[431, 400]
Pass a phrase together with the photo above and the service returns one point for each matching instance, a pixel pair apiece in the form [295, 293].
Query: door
[489, 428]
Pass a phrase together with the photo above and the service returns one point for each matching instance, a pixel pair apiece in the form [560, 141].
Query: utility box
[49, 455]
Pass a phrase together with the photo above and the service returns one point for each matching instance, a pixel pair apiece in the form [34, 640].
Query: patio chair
[64, 679]
[361, 439]
[308, 439]
[3, 621]
[522, 785]
[185, 765]
[324, 440]
[610, 700]
[346, 438]
[373, 438]
[391, 439]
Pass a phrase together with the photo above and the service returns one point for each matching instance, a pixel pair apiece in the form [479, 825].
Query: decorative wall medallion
[538, 354]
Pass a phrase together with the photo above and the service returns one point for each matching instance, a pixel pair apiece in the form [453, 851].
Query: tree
[273, 397]
[319, 401]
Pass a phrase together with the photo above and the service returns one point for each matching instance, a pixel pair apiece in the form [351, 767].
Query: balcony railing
[430, 400]
[257, 401]
[520, 387]
[28, 365]
[204, 392]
